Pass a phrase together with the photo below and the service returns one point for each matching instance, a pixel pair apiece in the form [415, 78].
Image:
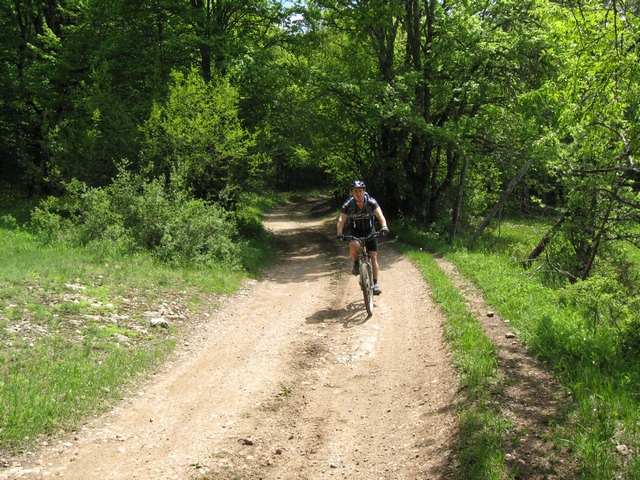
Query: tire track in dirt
[530, 399]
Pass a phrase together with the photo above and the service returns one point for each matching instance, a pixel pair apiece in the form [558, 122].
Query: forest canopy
[450, 111]
[501, 135]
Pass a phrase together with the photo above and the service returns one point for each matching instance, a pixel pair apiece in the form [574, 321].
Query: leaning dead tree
[542, 244]
[503, 198]
[457, 208]
[612, 198]
[624, 164]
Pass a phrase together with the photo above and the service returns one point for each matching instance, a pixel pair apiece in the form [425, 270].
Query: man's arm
[340, 226]
[380, 216]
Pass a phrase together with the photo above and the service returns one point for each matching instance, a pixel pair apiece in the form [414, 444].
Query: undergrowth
[580, 330]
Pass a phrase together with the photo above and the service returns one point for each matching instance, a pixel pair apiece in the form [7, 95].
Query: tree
[503, 199]
[195, 139]
[597, 103]
[30, 46]
[223, 30]
[117, 59]
[439, 81]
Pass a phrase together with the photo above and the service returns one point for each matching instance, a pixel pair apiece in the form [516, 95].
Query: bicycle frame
[366, 269]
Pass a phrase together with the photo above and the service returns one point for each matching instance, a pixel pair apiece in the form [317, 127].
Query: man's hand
[384, 231]
[340, 236]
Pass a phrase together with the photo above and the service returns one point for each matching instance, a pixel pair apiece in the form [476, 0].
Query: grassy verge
[76, 328]
[603, 381]
[480, 451]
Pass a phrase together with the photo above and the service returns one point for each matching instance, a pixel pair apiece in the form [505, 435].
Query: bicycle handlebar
[363, 240]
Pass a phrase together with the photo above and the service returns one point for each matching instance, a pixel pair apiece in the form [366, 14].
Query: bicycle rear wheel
[366, 283]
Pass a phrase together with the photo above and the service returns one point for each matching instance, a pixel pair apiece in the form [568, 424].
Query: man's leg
[354, 248]
[374, 264]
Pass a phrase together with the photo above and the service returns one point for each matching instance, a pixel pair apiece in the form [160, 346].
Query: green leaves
[195, 138]
[595, 102]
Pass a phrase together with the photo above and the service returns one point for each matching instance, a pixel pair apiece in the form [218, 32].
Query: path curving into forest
[289, 379]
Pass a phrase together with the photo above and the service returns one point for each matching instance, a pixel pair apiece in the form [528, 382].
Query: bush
[196, 138]
[134, 214]
[600, 301]
[47, 220]
[199, 234]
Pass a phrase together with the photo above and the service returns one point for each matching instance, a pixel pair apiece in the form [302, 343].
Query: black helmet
[357, 184]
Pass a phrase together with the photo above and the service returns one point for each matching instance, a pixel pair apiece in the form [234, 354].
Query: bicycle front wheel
[366, 283]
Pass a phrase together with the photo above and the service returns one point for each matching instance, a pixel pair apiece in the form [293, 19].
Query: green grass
[75, 330]
[480, 451]
[63, 314]
[52, 384]
[602, 380]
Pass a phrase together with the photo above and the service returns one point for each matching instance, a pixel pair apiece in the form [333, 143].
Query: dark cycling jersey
[360, 219]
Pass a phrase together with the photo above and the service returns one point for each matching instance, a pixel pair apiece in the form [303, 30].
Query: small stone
[622, 449]
[159, 322]
[510, 335]
[490, 314]
[246, 441]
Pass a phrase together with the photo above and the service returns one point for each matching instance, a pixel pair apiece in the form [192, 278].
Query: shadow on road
[351, 316]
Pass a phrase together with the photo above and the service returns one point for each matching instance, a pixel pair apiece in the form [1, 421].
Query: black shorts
[372, 245]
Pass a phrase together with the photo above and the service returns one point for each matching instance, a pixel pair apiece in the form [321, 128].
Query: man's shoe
[356, 268]
[376, 290]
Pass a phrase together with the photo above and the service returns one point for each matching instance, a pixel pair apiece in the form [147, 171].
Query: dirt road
[289, 379]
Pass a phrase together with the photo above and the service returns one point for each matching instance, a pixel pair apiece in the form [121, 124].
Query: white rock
[159, 322]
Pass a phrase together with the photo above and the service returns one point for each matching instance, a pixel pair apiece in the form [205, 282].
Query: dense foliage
[454, 113]
[134, 214]
[144, 125]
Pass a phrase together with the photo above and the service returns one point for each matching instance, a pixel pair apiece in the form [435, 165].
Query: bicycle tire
[366, 283]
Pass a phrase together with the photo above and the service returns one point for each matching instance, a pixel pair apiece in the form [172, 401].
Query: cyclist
[361, 209]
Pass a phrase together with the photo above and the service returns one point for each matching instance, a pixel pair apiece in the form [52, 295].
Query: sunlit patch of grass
[61, 356]
[480, 451]
[54, 384]
[74, 321]
[601, 379]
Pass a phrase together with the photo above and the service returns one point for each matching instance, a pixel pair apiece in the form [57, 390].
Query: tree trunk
[457, 208]
[596, 245]
[542, 244]
[505, 195]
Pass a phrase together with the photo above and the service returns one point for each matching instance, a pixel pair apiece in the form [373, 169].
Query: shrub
[600, 301]
[199, 234]
[135, 214]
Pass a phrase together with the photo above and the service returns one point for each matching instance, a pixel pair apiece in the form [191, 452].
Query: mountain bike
[366, 269]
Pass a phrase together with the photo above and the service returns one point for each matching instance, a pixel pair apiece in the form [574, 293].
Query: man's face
[358, 193]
